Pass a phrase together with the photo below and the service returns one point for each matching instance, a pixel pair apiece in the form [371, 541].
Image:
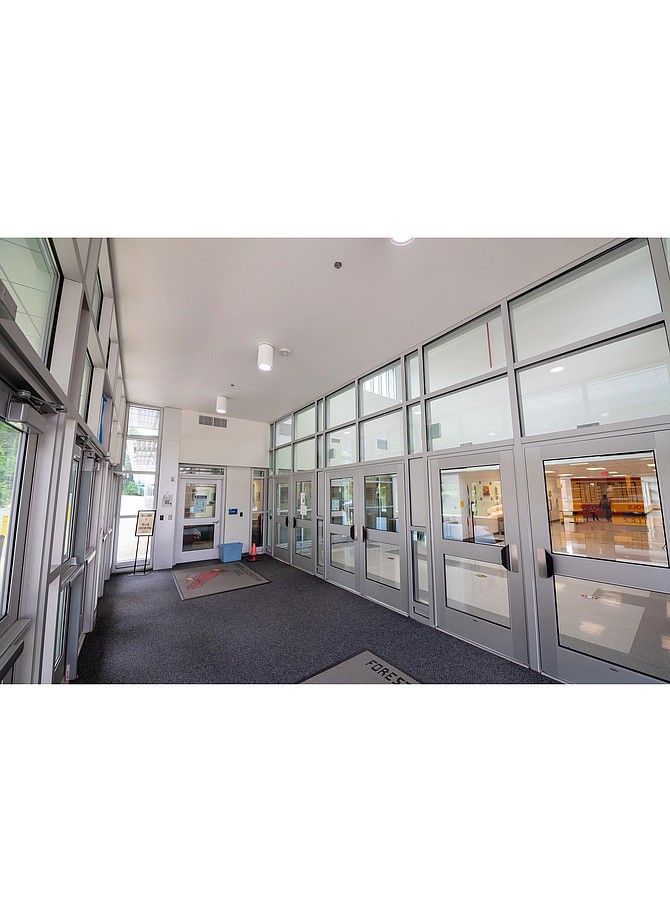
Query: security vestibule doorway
[198, 532]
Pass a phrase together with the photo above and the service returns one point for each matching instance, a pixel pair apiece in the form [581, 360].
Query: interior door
[341, 532]
[479, 591]
[199, 526]
[303, 545]
[281, 547]
[600, 529]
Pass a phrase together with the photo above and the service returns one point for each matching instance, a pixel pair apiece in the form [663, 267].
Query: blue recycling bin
[230, 553]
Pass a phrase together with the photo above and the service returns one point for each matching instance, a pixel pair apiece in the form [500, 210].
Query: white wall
[238, 448]
[167, 486]
[242, 444]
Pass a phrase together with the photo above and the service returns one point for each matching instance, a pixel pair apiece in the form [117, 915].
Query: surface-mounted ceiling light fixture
[556, 369]
[401, 241]
[265, 355]
[222, 404]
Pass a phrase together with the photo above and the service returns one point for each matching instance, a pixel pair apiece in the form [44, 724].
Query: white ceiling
[192, 311]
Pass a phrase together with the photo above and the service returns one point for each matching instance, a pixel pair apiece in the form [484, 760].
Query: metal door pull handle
[294, 522]
[545, 563]
[505, 558]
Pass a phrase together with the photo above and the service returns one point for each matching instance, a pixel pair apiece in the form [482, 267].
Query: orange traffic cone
[253, 556]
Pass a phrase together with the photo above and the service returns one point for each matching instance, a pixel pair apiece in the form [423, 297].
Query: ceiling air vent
[212, 420]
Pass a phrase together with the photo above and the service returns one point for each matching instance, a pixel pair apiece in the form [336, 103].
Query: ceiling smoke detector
[285, 352]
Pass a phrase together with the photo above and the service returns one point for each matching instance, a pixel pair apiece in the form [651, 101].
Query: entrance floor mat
[364, 668]
[211, 578]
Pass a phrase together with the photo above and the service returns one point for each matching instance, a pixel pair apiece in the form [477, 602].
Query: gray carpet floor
[279, 633]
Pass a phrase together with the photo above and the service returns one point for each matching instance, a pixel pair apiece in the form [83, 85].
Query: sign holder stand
[144, 528]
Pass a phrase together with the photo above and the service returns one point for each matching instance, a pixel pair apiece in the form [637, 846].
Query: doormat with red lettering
[365, 668]
[212, 577]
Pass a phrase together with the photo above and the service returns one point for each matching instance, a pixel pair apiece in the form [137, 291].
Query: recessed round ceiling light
[401, 241]
[554, 370]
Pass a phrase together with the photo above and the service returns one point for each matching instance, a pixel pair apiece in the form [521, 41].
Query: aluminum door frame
[307, 564]
[510, 642]
[397, 599]
[281, 553]
[349, 530]
[180, 555]
[557, 661]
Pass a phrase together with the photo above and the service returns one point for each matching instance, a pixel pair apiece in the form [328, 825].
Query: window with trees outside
[140, 472]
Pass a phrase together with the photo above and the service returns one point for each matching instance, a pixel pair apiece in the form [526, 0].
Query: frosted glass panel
[412, 382]
[586, 302]
[382, 437]
[304, 423]
[414, 429]
[304, 455]
[473, 416]
[466, 353]
[623, 380]
[283, 460]
[283, 431]
[342, 447]
[341, 407]
[380, 390]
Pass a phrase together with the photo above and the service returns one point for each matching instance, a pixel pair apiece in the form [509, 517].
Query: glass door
[281, 549]
[383, 547]
[303, 544]
[341, 531]
[479, 594]
[199, 526]
[600, 535]
[366, 543]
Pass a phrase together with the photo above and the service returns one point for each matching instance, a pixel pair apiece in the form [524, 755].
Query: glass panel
[303, 499]
[382, 563]
[473, 416]
[142, 421]
[61, 622]
[623, 380]
[281, 535]
[472, 508]
[474, 349]
[200, 500]
[11, 462]
[125, 552]
[86, 387]
[319, 415]
[319, 543]
[412, 376]
[342, 501]
[137, 492]
[477, 588]
[420, 567]
[380, 390]
[319, 451]
[141, 454]
[283, 460]
[257, 503]
[281, 499]
[381, 502]
[341, 407]
[342, 552]
[625, 626]
[305, 421]
[607, 508]
[382, 437]
[303, 542]
[304, 455]
[29, 274]
[414, 429]
[617, 290]
[283, 431]
[96, 306]
[342, 447]
[71, 509]
[197, 538]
